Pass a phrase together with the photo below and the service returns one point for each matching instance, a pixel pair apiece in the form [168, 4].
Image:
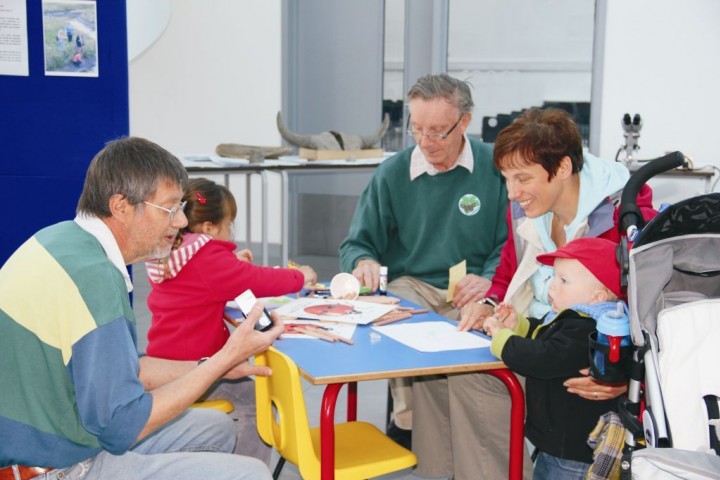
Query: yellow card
[456, 273]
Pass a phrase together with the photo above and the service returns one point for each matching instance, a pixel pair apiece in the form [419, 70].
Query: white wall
[519, 53]
[545, 56]
[146, 21]
[212, 77]
[661, 60]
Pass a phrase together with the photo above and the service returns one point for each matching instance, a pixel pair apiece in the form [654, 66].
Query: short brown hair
[129, 166]
[542, 137]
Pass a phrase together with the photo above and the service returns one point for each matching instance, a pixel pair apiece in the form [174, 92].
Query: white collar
[420, 165]
[97, 228]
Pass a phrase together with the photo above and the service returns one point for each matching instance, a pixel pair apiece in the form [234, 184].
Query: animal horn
[304, 141]
[369, 141]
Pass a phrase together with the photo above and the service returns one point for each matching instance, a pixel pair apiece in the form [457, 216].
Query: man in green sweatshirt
[426, 209]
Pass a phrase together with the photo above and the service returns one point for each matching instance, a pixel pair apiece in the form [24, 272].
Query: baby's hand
[505, 313]
[503, 309]
[492, 325]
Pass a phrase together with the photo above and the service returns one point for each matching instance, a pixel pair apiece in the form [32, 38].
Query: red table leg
[327, 431]
[327, 425]
[517, 420]
[352, 402]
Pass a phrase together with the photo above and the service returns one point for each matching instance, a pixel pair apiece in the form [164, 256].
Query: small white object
[374, 337]
[246, 301]
[344, 286]
[383, 280]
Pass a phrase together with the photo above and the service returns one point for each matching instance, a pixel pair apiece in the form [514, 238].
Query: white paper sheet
[432, 336]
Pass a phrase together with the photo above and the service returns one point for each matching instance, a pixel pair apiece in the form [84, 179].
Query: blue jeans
[242, 394]
[548, 467]
[190, 447]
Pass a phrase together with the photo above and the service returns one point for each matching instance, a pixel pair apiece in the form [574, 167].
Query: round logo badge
[469, 204]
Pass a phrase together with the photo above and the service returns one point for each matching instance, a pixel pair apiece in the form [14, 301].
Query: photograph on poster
[70, 38]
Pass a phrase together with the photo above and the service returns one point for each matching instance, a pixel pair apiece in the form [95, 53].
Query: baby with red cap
[552, 349]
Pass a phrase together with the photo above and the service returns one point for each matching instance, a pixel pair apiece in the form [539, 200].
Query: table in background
[323, 179]
[705, 174]
[676, 185]
[334, 364]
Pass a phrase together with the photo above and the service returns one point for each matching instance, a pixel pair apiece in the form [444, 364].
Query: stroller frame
[662, 245]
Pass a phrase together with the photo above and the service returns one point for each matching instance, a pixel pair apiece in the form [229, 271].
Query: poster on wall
[13, 38]
[70, 38]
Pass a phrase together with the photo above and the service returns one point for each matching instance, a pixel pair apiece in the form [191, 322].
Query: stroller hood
[675, 260]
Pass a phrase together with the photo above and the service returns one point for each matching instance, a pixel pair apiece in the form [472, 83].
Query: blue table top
[323, 362]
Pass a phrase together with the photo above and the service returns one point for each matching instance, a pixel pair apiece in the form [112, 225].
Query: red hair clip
[201, 200]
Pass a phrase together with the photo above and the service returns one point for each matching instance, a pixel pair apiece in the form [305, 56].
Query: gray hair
[132, 167]
[442, 85]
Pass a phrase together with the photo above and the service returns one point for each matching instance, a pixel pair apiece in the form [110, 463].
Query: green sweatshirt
[421, 228]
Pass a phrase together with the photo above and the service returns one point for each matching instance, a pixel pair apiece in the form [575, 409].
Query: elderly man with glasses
[76, 399]
[426, 209]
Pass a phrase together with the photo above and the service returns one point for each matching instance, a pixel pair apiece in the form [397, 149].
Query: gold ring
[595, 393]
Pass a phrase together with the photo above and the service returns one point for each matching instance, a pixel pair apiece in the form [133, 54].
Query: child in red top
[191, 286]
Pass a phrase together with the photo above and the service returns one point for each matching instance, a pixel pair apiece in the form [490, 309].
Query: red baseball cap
[598, 255]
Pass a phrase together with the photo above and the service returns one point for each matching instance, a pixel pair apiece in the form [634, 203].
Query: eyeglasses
[171, 211]
[432, 136]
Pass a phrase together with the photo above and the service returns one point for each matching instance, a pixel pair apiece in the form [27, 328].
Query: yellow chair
[225, 406]
[361, 450]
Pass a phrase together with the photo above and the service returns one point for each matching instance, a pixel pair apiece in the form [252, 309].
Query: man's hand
[470, 288]
[245, 342]
[590, 389]
[472, 316]
[247, 369]
[178, 384]
[367, 271]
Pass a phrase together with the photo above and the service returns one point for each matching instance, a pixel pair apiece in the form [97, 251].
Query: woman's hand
[590, 389]
[472, 316]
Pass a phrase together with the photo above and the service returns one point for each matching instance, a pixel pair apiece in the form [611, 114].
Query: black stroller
[672, 275]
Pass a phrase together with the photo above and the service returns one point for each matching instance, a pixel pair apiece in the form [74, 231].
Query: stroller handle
[630, 215]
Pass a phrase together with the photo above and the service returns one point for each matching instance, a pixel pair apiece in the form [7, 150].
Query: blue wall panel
[51, 127]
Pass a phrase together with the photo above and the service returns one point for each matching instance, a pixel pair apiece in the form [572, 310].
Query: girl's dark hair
[542, 137]
[207, 201]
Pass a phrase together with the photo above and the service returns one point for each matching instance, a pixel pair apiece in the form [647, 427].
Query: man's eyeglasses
[171, 211]
[432, 136]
